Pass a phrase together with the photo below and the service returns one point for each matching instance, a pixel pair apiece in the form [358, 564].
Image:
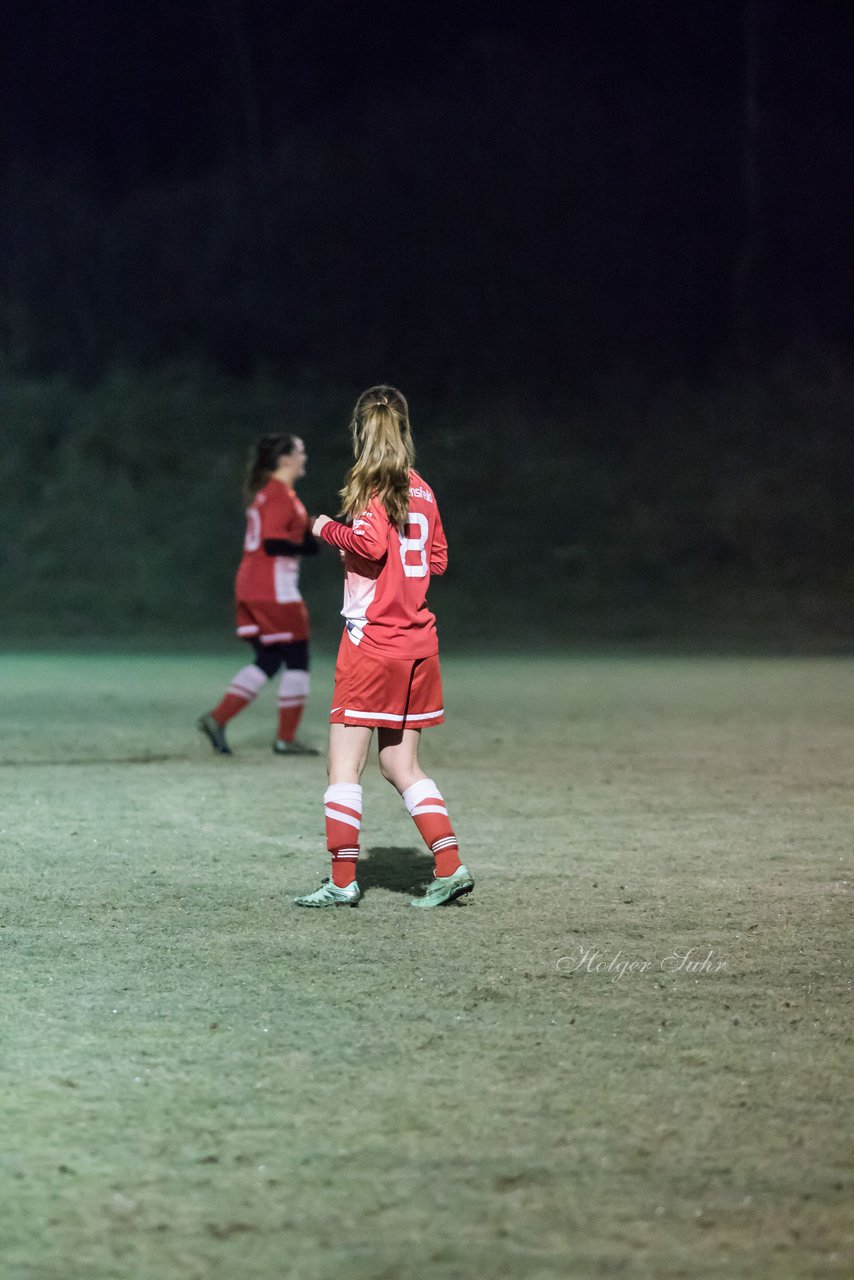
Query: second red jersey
[275, 512]
[387, 573]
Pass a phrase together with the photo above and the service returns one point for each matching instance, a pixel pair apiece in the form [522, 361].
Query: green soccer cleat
[215, 734]
[294, 748]
[444, 889]
[329, 895]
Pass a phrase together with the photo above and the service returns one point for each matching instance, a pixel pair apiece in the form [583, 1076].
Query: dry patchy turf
[198, 1080]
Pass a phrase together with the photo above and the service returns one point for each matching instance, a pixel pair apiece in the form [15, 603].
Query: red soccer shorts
[385, 693]
[272, 623]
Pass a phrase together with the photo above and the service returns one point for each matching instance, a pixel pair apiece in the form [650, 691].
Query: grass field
[198, 1080]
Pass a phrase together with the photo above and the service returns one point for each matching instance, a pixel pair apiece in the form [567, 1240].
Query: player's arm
[438, 549]
[366, 537]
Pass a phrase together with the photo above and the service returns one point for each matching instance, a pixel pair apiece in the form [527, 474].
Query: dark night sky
[625, 119]
[154, 89]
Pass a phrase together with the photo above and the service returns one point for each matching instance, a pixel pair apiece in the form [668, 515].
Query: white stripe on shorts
[371, 715]
[387, 715]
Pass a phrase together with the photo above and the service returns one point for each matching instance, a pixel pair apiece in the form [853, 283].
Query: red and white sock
[243, 689]
[342, 804]
[293, 694]
[430, 815]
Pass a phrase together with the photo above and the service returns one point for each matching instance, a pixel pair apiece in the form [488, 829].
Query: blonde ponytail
[382, 445]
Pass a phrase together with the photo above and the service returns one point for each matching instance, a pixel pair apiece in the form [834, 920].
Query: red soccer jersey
[387, 574]
[275, 512]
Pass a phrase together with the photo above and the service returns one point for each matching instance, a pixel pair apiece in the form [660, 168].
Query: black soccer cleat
[215, 734]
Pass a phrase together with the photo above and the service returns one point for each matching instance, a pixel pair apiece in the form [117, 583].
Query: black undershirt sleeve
[284, 546]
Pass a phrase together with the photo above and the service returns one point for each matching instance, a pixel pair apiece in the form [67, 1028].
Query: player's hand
[317, 526]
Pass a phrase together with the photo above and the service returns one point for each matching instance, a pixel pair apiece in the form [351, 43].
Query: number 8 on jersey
[415, 546]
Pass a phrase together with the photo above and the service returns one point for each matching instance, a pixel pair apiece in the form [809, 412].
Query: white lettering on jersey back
[415, 491]
[286, 579]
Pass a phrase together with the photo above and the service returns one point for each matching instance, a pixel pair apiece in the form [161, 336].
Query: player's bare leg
[398, 749]
[342, 803]
[348, 752]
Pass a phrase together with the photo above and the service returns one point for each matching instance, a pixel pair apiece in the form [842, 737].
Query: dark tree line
[707, 514]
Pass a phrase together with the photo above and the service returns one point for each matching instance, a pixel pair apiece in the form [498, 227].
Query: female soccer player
[387, 674]
[271, 613]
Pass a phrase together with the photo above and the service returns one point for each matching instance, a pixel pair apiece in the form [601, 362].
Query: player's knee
[386, 770]
[400, 778]
[389, 772]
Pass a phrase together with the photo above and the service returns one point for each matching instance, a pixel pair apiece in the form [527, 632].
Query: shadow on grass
[93, 761]
[398, 869]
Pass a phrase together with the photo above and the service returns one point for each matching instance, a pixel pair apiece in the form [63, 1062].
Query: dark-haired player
[271, 613]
